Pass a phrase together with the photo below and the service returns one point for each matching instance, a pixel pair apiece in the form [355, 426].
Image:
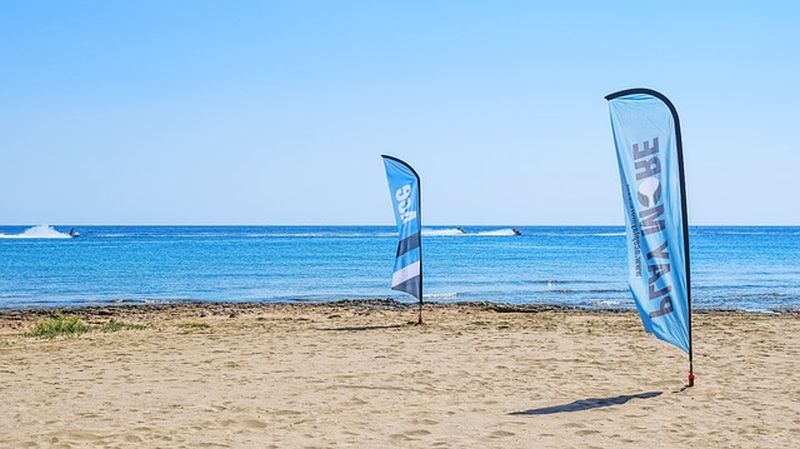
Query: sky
[274, 113]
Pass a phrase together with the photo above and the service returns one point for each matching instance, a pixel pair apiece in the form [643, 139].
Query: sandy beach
[358, 375]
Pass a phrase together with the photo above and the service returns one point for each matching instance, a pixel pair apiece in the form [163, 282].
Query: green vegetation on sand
[60, 324]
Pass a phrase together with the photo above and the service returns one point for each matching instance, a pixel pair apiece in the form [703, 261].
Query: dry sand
[357, 375]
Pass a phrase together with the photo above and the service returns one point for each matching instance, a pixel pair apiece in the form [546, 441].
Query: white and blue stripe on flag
[404, 189]
[647, 139]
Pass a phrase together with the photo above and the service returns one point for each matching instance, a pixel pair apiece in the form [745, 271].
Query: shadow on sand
[361, 328]
[588, 404]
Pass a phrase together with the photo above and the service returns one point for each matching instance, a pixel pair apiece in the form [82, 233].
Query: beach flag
[404, 189]
[647, 137]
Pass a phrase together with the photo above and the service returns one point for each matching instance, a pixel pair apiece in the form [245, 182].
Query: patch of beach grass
[59, 324]
[194, 325]
[116, 326]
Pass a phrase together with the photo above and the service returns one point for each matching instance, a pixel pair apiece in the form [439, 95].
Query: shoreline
[188, 307]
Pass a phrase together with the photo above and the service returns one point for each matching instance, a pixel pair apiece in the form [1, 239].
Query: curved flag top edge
[646, 131]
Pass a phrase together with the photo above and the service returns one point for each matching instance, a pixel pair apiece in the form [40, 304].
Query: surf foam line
[441, 295]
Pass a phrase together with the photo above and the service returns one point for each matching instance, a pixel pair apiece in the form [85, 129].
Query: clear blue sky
[195, 112]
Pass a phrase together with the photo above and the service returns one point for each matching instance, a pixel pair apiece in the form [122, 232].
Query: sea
[743, 268]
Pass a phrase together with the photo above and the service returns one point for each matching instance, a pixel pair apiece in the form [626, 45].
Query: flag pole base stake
[691, 379]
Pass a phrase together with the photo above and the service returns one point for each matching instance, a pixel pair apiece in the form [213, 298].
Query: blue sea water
[748, 268]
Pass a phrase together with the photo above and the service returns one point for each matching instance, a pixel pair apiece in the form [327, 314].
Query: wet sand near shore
[360, 375]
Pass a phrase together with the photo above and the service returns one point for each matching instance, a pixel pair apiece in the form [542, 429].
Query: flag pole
[419, 219]
[685, 223]
[685, 217]
[421, 276]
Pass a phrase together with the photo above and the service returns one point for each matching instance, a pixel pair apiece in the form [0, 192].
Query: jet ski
[74, 234]
[516, 231]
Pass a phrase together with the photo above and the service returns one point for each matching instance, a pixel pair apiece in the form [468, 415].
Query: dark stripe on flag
[407, 244]
[411, 286]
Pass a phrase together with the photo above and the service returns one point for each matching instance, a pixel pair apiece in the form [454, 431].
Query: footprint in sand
[409, 435]
[501, 434]
[400, 437]
[253, 424]
[426, 421]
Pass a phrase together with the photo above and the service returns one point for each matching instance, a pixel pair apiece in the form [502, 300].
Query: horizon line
[390, 225]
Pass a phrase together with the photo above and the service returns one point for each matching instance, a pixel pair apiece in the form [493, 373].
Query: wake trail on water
[498, 232]
[37, 232]
[504, 232]
[442, 232]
